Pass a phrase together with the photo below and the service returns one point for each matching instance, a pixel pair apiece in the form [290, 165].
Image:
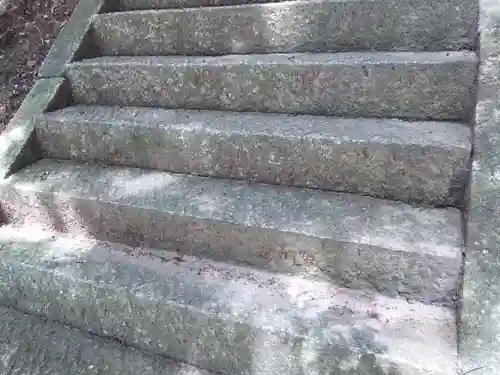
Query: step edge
[16, 183]
[352, 59]
[444, 313]
[458, 141]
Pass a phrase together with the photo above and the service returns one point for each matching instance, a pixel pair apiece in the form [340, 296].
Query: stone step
[426, 85]
[127, 5]
[228, 319]
[357, 241]
[407, 161]
[434, 12]
[31, 345]
[291, 26]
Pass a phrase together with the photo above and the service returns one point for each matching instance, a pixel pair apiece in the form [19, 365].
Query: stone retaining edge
[74, 39]
[18, 145]
[479, 320]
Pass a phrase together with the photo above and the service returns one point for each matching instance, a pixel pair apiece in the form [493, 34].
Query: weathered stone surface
[426, 85]
[408, 161]
[361, 242]
[125, 5]
[435, 12]
[292, 26]
[480, 318]
[225, 318]
[73, 40]
[30, 345]
[18, 146]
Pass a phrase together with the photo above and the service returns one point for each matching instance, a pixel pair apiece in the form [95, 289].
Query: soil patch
[27, 30]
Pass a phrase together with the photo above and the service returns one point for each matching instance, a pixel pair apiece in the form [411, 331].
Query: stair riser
[140, 221]
[407, 90]
[227, 332]
[294, 26]
[394, 10]
[410, 173]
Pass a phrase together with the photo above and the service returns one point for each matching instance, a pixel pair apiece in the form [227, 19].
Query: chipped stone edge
[479, 315]
[18, 144]
[74, 40]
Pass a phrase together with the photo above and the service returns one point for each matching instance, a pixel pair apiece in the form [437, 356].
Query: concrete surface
[221, 317]
[426, 85]
[30, 345]
[226, 317]
[408, 161]
[480, 316]
[292, 26]
[18, 146]
[360, 242]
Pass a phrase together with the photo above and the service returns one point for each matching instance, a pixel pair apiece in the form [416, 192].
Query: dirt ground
[27, 31]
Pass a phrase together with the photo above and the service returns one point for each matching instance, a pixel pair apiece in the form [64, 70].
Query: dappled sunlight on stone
[49, 245]
[26, 233]
[147, 183]
[29, 343]
[253, 187]
[358, 241]
[10, 135]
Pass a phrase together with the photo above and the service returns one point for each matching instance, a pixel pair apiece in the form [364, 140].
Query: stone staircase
[261, 188]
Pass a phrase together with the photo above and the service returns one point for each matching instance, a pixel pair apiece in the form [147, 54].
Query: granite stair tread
[33, 345]
[388, 158]
[218, 316]
[417, 86]
[291, 26]
[357, 241]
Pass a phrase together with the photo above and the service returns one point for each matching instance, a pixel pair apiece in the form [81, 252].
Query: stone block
[291, 26]
[426, 85]
[32, 345]
[358, 241]
[228, 319]
[408, 161]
